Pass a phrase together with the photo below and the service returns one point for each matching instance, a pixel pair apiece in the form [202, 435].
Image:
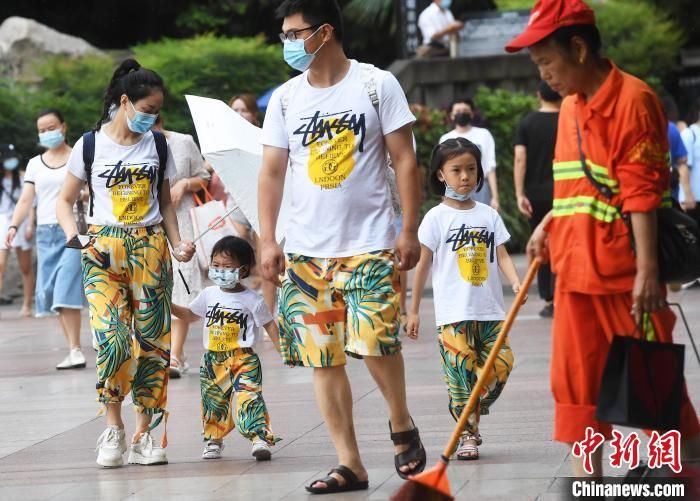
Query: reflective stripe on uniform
[666, 199]
[591, 206]
[564, 171]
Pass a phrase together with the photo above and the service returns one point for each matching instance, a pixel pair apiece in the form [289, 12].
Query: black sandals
[352, 483]
[415, 453]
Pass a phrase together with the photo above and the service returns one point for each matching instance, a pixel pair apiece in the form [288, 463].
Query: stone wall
[437, 82]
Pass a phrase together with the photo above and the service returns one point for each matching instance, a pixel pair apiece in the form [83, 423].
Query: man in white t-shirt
[462, 115]
[332, 127]
[437, 23]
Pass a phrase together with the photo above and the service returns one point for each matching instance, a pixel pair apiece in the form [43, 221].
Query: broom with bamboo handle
[433, 485]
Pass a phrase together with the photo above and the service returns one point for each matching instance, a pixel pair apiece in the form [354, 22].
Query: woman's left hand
[647, 295]
[29, 233]
[184, 251]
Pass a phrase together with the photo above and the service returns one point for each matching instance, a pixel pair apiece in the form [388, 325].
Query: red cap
[547, 16]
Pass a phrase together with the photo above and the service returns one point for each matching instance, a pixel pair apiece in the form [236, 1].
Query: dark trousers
[545, 277]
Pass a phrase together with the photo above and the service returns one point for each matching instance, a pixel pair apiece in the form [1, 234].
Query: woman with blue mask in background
[59, 289]
[10, 189]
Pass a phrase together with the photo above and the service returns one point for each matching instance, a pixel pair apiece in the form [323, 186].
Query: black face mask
[463, 119]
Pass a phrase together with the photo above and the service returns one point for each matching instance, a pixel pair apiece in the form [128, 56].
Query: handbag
[678, 234]
[209, 214]
[642, 383]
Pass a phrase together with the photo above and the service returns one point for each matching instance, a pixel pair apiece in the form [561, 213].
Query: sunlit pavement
[48, 423]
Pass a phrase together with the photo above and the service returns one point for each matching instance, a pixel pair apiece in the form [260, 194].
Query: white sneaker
[178, 367]
[144, 452]
[74, 360]
[261, 451]
[213, 450]
[111, 446]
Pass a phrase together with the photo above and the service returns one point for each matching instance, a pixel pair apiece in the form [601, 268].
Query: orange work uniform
[623, 129]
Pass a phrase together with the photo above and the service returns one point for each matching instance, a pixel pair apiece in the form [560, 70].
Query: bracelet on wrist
[12, 227]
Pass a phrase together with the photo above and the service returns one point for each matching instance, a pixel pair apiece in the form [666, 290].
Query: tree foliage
[640, 38]
[211, 66]
[208, 66]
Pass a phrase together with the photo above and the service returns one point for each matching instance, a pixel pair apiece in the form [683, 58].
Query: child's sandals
[467, 450]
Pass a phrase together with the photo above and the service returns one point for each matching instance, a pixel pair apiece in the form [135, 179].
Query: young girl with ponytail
[127, 270]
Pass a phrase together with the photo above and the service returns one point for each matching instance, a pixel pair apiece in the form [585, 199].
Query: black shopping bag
[642, 384]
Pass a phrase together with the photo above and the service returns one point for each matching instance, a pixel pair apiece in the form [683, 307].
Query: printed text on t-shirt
[320, 127]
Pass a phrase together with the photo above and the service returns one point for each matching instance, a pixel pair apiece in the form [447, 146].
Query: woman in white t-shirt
[127, 269]
[11, 180]
[58, 287]
[463, 242]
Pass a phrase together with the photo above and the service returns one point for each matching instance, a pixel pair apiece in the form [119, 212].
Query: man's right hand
[524, 206]
[538, 245]
[272, 261]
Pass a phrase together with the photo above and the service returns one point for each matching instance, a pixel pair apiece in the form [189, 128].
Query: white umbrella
[232, 146]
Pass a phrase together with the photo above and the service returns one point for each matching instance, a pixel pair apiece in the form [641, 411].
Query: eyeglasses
[292, 34]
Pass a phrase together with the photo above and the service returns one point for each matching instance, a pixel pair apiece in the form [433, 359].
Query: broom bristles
[413, 491]
[431, 485]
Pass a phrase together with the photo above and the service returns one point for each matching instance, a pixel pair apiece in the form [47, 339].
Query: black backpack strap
[88, 159]
[162, 149]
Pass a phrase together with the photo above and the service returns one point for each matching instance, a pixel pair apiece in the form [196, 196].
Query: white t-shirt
[124, 180]
[432, 20]
[47, 182]
[466, 283]
[231, 318]
[483, 139]
[340, 204]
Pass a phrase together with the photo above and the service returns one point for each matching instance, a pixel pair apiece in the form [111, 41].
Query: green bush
[207, 66]
[640, 38]
[16, 122]
[211, 66]
[75, 87]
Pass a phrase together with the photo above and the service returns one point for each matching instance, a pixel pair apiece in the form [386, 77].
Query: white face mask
[228, 278]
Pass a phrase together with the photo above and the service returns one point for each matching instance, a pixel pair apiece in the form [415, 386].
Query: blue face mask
[51, 139]
[446, 4]
[450, 193]
[295, 53]
[11, 163]
[142, 122]
[228, 278]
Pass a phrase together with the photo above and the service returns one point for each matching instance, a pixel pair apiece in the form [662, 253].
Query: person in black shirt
[534, 151]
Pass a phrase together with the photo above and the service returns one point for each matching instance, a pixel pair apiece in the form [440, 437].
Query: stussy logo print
[471, 245]
[130, 189]
[331, 139]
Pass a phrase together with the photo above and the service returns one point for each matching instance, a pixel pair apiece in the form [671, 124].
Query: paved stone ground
[48, 424]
